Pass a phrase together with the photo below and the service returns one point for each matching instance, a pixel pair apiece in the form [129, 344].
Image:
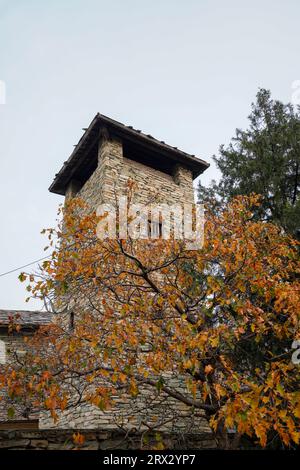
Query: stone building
[12, 344]
[110, 152]
[106, 156]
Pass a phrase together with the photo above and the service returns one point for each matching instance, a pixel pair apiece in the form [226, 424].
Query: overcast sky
[184, 71]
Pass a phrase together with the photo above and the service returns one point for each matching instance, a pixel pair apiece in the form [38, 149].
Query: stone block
[41, 444]
[11, 443]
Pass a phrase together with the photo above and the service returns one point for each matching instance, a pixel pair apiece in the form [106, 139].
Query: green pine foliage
[264, 159]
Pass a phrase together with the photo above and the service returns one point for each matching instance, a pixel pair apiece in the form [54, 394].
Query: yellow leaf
[208, 369]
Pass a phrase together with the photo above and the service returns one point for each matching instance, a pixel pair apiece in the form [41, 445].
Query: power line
[25, 266]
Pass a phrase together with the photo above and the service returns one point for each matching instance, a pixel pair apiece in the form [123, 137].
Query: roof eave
[58, 186]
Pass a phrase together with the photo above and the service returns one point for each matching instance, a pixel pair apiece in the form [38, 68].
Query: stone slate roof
[81, 155]
[25, 318]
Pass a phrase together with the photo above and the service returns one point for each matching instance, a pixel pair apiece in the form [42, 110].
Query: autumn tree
[222, 317]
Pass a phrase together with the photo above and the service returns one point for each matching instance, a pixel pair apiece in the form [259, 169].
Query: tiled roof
[195, 164]
[25, 317]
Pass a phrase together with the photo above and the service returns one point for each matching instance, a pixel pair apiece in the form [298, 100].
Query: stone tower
[107, 155]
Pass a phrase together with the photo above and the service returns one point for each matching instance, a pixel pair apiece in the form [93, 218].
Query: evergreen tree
[264, 159]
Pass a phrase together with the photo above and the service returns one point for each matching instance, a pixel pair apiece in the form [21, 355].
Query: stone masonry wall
[149, 409]
[113, 172]
[99, 440]
[14, 343]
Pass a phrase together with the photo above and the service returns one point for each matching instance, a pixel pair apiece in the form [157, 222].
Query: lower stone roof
[25, 317]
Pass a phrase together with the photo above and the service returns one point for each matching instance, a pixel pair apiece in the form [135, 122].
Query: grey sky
[184, 71]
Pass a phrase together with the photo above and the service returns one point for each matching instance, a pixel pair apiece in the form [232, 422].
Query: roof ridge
[172, 153]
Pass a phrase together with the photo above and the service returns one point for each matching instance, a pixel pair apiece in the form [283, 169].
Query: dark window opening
[154, 229]
[152, 159]
[72, 321]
